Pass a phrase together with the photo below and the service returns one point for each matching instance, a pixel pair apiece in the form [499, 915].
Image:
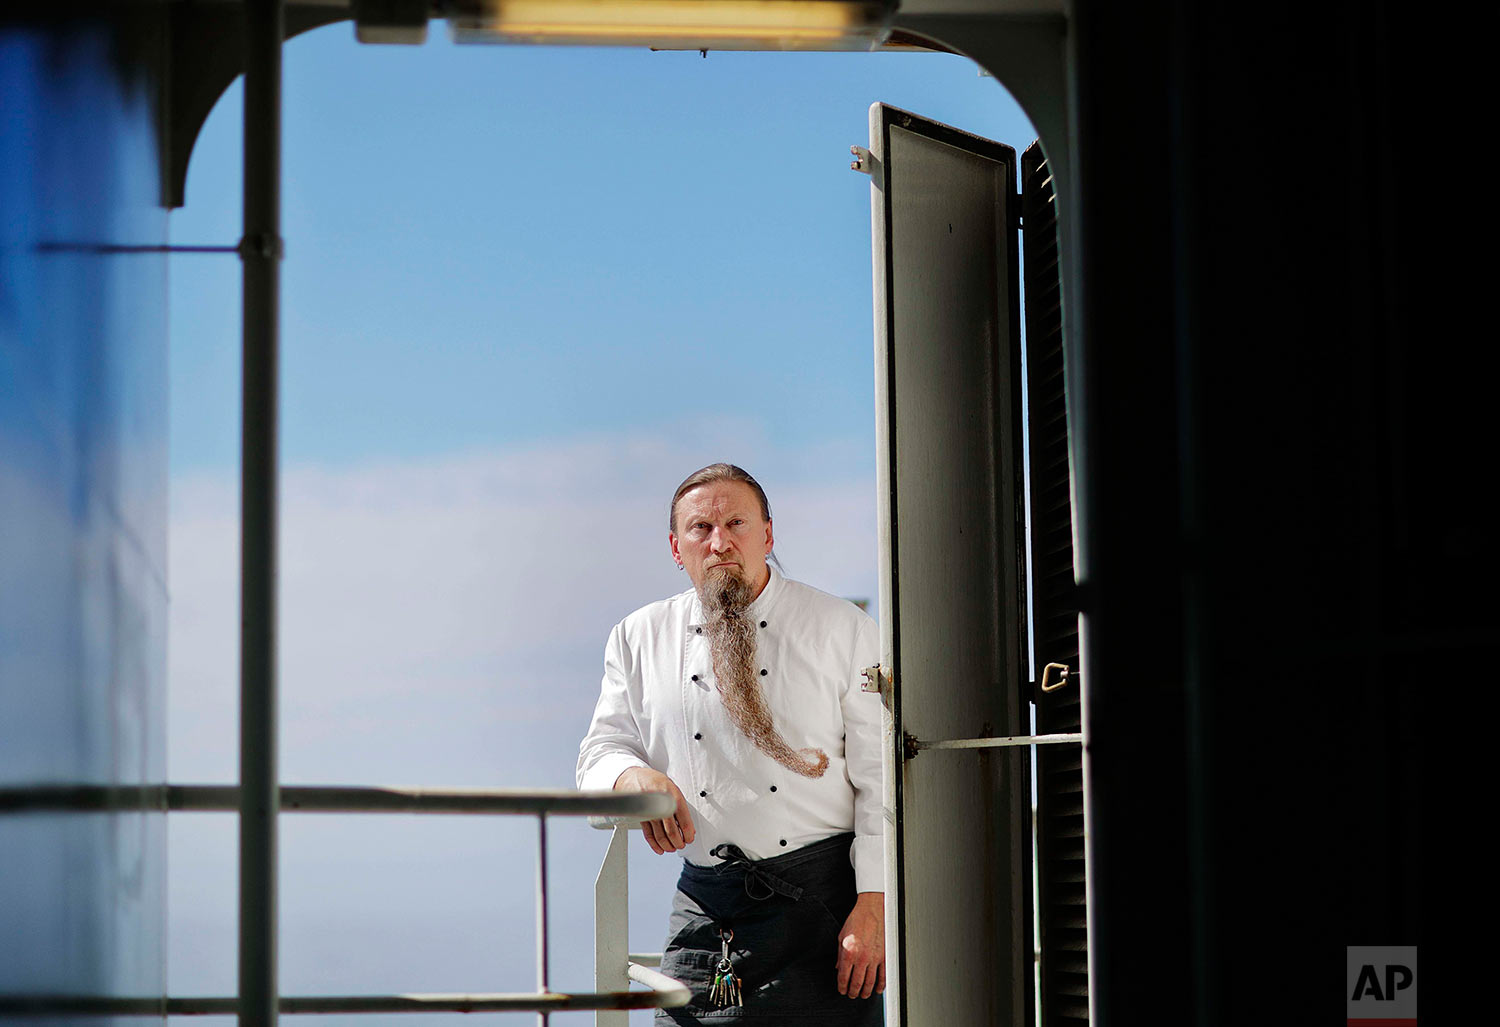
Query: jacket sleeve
[863, 732]
[614, 742]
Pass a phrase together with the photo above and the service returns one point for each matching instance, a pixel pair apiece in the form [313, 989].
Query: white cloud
[435, 614]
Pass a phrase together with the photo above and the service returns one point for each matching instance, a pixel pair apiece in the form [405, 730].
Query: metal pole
[541, 914]
[604, 807]
[1010, 741]
[260, 254]
[612, 924]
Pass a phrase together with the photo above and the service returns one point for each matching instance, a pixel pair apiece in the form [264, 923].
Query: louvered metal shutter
[1060, 856]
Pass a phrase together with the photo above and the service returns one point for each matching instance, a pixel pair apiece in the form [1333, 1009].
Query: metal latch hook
[1063, 676]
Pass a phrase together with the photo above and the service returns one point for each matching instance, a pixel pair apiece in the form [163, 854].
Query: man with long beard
[741, 699]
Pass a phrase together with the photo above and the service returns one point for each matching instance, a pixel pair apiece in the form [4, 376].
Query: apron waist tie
[759, 884]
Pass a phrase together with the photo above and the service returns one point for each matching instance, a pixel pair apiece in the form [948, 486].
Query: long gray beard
[731, 642]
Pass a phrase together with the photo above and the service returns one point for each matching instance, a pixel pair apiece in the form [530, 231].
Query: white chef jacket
[658, 708]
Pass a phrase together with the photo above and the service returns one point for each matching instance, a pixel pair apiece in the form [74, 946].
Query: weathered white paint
[948, 395]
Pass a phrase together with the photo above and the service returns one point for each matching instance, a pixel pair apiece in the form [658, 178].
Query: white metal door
[948, 386]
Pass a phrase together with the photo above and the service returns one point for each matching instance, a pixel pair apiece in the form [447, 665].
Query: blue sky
[500, 243]
[526, 291]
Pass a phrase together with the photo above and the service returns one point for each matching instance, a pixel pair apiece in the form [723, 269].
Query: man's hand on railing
[668, 835]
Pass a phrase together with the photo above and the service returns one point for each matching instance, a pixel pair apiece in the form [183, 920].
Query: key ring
[725, 990]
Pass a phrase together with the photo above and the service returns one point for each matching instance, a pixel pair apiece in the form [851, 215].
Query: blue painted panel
[82, 500]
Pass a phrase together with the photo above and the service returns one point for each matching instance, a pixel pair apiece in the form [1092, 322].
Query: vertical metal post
[611, 926]
[541, 913]
[260, 254]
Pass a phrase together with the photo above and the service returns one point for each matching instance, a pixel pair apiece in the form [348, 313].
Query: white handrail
[673, 992]
[176, 798]
[517, 1002]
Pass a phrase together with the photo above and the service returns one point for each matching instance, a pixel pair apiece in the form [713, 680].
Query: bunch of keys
[726, 987]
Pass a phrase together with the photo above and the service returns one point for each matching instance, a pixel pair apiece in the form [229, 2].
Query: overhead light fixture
[676, 24]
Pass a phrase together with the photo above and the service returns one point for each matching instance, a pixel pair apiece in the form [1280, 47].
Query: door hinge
[909, 746]
[866, 163]
[878, 680]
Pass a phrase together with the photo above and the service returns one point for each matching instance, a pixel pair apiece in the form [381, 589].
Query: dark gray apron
[786, 913]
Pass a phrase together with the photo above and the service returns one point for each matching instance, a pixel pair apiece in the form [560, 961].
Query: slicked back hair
[707, 476]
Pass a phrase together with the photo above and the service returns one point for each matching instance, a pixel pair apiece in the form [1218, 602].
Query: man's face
[720, 530]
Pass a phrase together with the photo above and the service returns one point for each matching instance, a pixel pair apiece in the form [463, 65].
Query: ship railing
[615, 967]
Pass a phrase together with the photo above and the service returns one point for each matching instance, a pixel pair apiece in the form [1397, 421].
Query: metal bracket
[206, 47]
[261, 244]
[909, 745]
[864, 161]
[390, 21]
[878, 680]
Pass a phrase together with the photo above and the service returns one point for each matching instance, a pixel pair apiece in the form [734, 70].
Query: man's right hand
[673, 833]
